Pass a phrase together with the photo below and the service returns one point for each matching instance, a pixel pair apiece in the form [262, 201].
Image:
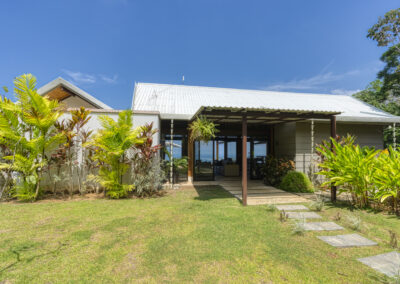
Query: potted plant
[202, 129]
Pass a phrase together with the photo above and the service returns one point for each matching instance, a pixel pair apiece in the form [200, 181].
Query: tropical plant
[202, 129]
[67, 154]
[111, 145]
[350, 167]
[27, 131]
[146, 172]
[296, 182]
[387, 177]
[275, 169]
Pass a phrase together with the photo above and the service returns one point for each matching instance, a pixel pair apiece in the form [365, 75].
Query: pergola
[245, 116]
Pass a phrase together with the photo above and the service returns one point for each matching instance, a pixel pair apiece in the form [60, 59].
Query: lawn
[201, 235]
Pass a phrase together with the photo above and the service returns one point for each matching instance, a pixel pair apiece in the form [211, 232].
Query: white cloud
[83, 78]
[79, 77]
[109, 80]
[311, 83]
[344, 92]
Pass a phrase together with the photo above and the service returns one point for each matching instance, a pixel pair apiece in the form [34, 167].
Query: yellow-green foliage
[364, 172]
[202, 129]
[27, 133]
[387, 176]
[111, 144]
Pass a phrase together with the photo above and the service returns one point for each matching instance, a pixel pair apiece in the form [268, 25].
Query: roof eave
[71, 87]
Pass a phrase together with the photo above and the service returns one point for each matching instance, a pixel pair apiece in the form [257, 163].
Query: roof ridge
[240, 89]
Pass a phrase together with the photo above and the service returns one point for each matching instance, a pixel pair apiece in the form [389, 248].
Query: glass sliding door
[204, 160]
[258, 154]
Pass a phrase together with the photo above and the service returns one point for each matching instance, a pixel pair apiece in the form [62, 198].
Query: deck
[257, 193]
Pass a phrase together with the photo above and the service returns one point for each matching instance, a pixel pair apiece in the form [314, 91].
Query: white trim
[74, 89]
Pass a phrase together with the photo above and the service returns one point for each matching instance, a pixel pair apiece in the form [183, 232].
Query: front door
[204, 160]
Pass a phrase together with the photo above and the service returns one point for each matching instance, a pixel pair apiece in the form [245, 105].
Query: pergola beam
[260, 114]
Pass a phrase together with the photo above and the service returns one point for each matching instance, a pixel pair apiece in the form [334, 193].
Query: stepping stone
[291, 207]
[322, 226]
[303, 215]
[387, 263]
[345, 241]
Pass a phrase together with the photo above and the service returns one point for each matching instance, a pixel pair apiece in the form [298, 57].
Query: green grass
[187, 236]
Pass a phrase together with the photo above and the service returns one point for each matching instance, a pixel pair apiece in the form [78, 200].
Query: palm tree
[111, 147]
[27, 130]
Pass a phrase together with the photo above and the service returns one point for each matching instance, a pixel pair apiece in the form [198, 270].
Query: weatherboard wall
[366, 135]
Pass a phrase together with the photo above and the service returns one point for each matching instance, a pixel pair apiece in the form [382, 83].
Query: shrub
[354, 222]
[350, 167]
[111, 148]
[296, 182]
[387, 177]
[275, 169]
[146, 172]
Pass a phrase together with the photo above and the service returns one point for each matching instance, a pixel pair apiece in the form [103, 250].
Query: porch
[257, 192]
[234, 158]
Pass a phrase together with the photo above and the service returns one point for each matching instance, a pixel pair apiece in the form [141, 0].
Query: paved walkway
[257, 192]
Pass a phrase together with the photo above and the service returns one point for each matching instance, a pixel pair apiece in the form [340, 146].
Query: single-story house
[252, 124]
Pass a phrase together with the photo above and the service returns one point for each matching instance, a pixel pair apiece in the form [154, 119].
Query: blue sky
[104, 46]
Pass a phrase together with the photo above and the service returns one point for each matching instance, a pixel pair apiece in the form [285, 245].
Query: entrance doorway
[222, 157]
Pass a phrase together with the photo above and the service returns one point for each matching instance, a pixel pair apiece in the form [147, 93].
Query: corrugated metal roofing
[182, 102]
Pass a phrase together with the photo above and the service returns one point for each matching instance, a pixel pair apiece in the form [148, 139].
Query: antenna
[183, 80]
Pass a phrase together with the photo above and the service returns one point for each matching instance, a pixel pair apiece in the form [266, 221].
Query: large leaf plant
[111, 144]
[27, 131]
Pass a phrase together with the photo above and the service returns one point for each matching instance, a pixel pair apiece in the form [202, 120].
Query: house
[253, 124]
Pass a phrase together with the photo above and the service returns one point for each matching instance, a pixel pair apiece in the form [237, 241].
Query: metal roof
[183, 102]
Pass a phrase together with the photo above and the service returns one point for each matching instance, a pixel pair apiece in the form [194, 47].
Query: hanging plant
[202, 129]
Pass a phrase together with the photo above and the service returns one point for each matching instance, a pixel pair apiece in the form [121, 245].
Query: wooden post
[190, 159]
[394, 136]
[244, 160]
[312, 152]
[171, 174]
[333, 135]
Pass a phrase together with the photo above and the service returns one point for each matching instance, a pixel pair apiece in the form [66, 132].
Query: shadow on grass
[18, 251]
[209, 192]
[349, 207]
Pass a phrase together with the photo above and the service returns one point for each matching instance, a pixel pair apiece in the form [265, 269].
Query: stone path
[345, 241]
[291, 207]
[322, 226]
[303, 215]
[387, 263]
